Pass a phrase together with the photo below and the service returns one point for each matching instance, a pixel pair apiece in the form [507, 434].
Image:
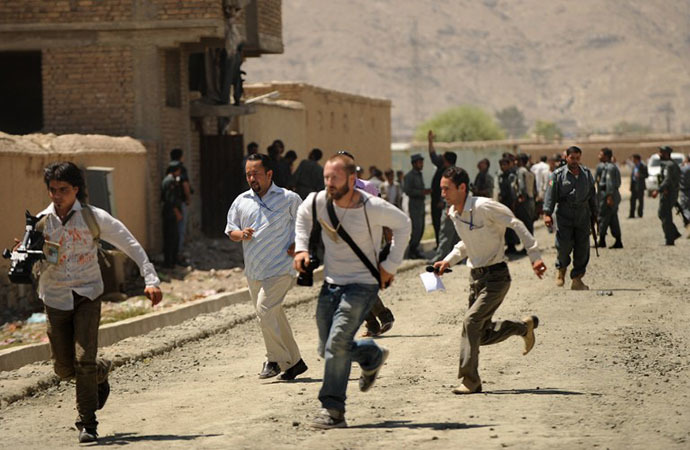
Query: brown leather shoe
[464, 390]
[578, 285]
[532, 322]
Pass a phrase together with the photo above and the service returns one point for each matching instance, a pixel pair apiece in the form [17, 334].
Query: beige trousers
[268, 296]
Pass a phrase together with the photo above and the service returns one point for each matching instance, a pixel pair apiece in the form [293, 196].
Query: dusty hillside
[586, 64]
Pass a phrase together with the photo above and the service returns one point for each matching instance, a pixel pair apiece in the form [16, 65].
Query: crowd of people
[362, 230]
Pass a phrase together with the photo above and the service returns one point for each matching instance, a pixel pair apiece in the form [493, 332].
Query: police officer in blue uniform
[571, 188]
[608, 180]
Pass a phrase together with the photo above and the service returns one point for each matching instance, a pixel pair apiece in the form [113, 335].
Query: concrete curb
[144, 324]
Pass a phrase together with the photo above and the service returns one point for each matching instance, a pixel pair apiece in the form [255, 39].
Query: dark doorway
[221, 180]
[21, 92]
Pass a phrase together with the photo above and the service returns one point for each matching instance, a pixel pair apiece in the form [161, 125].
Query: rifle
[679, 211]
[592, 225]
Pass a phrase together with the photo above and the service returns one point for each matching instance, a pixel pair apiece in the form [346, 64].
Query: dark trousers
[525, 212]
[636, 196]
[608, 217]
[449, 237]
[487, 291]
[436, 219]
[665, 214]
[171, 240]
[378, 312]
[572, 238]
[417, 218]
[73, 337]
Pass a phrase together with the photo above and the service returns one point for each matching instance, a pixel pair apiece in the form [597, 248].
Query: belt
[488, 269]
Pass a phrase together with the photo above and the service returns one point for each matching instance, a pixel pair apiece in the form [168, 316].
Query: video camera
[27, 253]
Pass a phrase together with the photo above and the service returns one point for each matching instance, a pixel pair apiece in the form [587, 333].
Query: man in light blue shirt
[263, 219]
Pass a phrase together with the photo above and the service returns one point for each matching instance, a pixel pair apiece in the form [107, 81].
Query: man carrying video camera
[352, 223]
[70, 285]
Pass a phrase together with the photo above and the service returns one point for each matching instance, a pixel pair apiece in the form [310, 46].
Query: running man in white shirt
[70, 287]
[350, 287]
[481, 224]
[263, 219]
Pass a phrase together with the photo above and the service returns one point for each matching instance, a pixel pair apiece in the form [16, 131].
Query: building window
[21, 92]
[173, 88]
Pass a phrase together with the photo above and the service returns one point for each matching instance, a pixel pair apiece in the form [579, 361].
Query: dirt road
[607, 372]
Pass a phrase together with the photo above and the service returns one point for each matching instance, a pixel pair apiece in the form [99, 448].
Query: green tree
[548, 130]
[623, 128]
[512, 120]
[463, 123]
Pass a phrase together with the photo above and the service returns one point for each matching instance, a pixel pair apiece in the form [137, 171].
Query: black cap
[665, 149]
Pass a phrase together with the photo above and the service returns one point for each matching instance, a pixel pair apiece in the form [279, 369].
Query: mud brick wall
[270, 18]
[62, 11]
[88, 90]
[188, 9]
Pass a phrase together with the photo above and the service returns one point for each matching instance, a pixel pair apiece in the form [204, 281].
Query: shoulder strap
[41, 224]
[95, 229]
[90, 220]
[315, 235]
[346, 237]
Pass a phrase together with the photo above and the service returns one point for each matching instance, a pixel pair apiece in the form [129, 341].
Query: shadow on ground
[544, 391]
[412, 425]
[128, 438]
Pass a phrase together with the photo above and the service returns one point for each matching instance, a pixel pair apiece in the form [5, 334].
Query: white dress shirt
[77, 268]
[341, 264]
[273, 219]
[541, 171]
[481, 226]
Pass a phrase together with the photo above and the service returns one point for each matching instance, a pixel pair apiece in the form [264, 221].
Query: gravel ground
[608, 371]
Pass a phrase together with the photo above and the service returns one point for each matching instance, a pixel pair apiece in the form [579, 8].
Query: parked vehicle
[654, 169]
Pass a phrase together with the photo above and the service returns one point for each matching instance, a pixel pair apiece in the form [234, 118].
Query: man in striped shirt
[263, 219]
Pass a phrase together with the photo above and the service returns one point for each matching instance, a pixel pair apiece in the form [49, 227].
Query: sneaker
[367, 377]
[386, 326]
[464, 390]
[532, 322]
[88, 435]
[299, 368]
[329, 418]
[270, 370]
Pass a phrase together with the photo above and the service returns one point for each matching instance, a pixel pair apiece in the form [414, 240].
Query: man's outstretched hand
[539, 268]
[154, 294]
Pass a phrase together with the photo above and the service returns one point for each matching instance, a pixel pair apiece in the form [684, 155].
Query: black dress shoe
[293, 371]
[270, 370]
[617, 244]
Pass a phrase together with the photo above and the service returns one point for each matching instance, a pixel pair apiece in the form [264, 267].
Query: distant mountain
[585, 64]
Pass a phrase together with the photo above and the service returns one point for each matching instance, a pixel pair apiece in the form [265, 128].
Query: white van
[654, 169]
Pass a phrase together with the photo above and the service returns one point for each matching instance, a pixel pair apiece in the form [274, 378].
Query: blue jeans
[339, 314]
